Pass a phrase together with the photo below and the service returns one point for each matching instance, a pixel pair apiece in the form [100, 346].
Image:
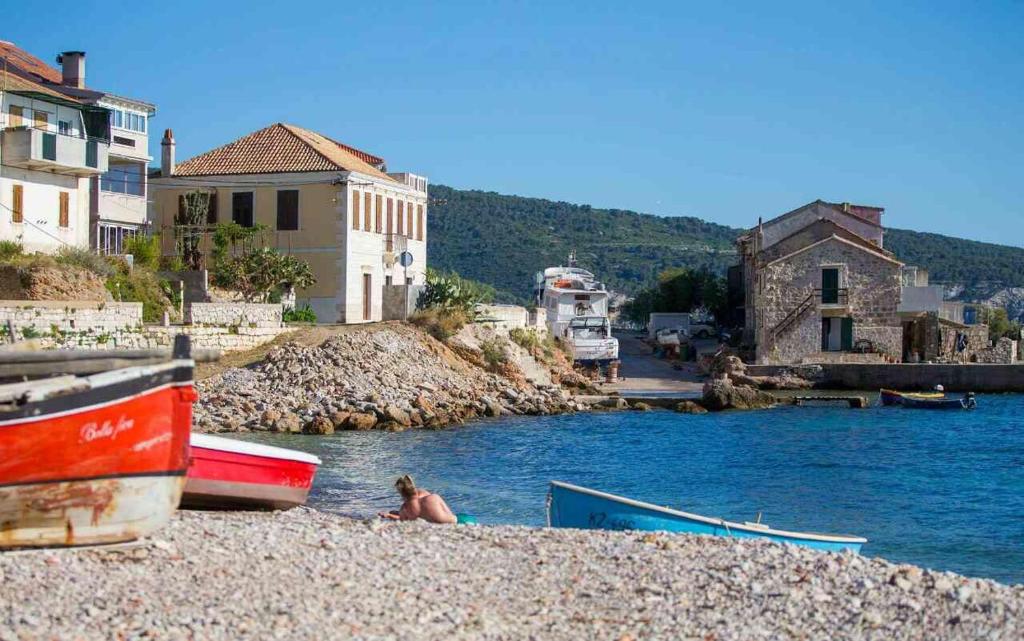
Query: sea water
[940, 489]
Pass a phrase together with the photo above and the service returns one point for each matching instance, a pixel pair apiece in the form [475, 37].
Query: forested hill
[504, 240]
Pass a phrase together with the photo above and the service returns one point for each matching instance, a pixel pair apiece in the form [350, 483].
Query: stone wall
[873, 285]
[503, 317]
[266, 316]
[1004, 351]
[977, 341]
[88, 322]
[912, 376]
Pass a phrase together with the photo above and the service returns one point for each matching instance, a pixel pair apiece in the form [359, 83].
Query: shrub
[145, 251]
[142, 286]
[258, 273]
[448, 290]
[86, 259]
[494, 353]
[442, 324]
[304, 314]
[10, 249]
[525, 338]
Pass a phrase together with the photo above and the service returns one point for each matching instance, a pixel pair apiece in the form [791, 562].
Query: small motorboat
[229, 474]
[892, 397]
[96, 459]
[571, 506]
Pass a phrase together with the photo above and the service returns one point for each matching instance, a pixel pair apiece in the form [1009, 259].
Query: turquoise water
[941, 489]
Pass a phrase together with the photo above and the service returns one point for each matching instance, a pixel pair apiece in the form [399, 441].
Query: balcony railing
[833, 296]
[395, 243]
[31, 148]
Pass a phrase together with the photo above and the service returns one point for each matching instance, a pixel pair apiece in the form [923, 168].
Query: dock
[855, 402]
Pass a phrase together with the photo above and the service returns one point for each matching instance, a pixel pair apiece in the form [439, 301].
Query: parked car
[702, 330]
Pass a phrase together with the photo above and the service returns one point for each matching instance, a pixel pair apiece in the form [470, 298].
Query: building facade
[331, 205]
[102, 150]
[817, 283]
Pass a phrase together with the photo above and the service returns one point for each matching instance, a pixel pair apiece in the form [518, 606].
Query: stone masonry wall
[32, 319]
[234, 314]
[873, 286]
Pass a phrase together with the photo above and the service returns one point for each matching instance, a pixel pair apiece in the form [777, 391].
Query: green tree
[258, 273]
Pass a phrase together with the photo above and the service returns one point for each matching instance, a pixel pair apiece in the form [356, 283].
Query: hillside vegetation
[504, 240]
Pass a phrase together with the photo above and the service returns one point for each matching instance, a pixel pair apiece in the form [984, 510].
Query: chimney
[72, 65]
[167, 154]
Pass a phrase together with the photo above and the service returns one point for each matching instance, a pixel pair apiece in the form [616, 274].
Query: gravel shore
[305, 574]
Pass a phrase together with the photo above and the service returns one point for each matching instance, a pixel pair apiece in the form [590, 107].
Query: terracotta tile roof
[280, 148]
[28, 63]
[11, 81]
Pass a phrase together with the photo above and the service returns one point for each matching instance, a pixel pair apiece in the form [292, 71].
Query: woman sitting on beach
[419, 504]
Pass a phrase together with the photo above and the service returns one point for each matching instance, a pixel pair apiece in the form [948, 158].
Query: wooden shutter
[391, 220]
[355, 210]
[830, 286]
[379, 213]
[847, 335]
[17, 204]
[211, 209]
[42, 119]
[64, 201]
[17, 116]
[408, 220]
[367, 201]
[288, 209]
[419, 222]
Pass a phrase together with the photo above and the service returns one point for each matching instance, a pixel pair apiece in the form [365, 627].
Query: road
[641, 372]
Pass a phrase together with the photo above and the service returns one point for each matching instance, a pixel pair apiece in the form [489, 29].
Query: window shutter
[419, 222]
[408, 220]
[63, 209]
[847, 336]
[379, 211]
[42, 119]
[17, 116]
[17, 204]
[288, 209]
[211, 210]
[355, 210]
[367, 201]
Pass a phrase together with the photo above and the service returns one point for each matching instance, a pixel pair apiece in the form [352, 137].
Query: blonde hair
[405, 486]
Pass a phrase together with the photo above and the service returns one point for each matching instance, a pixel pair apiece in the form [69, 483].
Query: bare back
[426, 506]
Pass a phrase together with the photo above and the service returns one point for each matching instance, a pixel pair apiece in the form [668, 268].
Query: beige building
[332, 205]
[819, 283]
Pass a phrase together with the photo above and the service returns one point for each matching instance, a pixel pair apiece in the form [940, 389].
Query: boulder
[721, 394]
[640, 406]
[614, 403]
[319, 425]
[493, 408]
[361, 421]
[395, 414]
[340, 419]
[690, 407]
[269, 417]
[289, 422]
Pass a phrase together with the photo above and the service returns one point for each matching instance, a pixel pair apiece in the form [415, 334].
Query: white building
[102, 149]
[332, 205]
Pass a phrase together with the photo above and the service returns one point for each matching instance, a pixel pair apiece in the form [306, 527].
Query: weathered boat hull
[892, 397]
[572, 506]
[95, 460]
[934, 403]
[228, 474]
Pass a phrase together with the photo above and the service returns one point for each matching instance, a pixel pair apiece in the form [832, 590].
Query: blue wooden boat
[946, 403]
[571, 506]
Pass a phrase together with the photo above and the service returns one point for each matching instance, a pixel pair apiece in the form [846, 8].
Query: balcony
[40, 150]
[395, 243]
[832, 300]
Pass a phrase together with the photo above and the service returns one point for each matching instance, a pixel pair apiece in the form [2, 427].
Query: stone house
[818, 285]
[332, 205]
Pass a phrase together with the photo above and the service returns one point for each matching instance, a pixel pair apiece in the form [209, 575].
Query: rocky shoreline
[308, 574]
[390, 376]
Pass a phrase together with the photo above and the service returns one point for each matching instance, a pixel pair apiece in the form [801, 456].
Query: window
[16, 116]
[64, 127]
[355, 210]
[211, 209]
[124, 177]
[64, 204]
[830, 286]
[17, 204]
[401, 217]
[123, 119]
[408, 219]
[241, 208]
[288, 209]
[366, 211]
[419, 222]
[380, 212]
[42, 119]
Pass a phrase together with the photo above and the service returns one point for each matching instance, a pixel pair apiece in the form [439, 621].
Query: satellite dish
[539, 278]
[405, 259]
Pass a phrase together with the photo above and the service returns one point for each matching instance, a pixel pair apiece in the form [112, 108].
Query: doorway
[367, 296]
[836, 334]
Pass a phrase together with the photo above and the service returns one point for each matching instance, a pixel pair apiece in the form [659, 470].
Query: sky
[727, 113]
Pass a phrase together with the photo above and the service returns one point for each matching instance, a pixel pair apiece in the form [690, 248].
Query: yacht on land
[576, 304]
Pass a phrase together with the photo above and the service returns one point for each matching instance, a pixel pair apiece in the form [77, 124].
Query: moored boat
[229, 474]
[96, 459]
[892, 397]
[571, 506]
[927, 400]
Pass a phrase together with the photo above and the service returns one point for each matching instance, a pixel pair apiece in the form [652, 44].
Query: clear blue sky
[674, 108]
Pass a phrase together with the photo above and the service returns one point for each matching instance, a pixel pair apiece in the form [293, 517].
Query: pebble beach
[313, 575]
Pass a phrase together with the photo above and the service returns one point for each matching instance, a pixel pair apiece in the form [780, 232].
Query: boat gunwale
[247, 448]
[731, 525]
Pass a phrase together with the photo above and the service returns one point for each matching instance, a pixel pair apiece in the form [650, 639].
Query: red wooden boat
[95, 459]
[229, 474]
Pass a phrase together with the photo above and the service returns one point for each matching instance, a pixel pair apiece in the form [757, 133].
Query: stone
[289, 422]
[721, 394]
[361, 421]
[395, 414]
[270, 417]
[614, 403]
[493, 408]
[640, 406]
[319, 425]
[340, 419]
[690, 407]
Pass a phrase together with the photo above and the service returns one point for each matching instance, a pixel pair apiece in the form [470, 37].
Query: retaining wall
[234, 314]
[973, 377]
